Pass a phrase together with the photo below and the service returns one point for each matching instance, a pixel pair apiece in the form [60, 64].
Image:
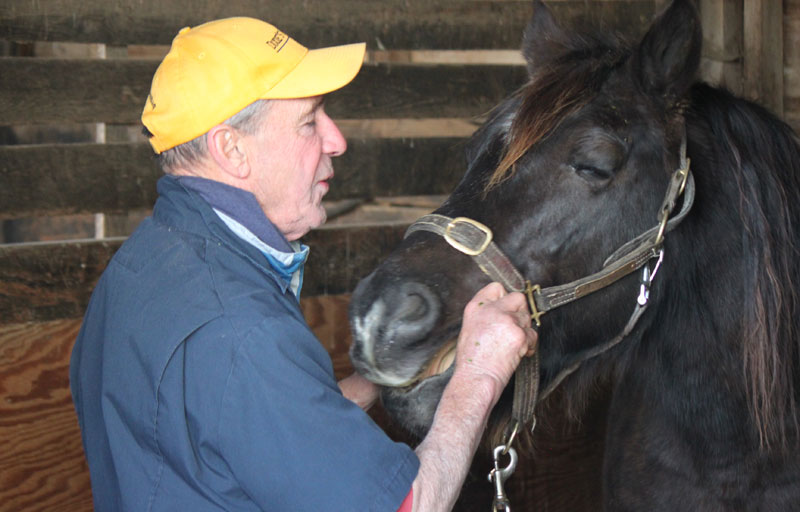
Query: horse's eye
[592, 173]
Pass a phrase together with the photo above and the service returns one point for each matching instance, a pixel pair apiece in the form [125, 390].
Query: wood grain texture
[41, 456]
[762, 65]
[115, 90]
[116, 178]
[394, 24]
[791, 56]
[722, 43]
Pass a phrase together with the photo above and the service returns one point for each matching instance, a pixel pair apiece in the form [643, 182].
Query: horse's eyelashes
[592, 173]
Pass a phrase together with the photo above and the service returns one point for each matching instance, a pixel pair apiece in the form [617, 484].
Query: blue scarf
[240, 211]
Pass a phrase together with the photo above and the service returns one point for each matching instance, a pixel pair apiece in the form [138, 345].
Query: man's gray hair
[190, 153]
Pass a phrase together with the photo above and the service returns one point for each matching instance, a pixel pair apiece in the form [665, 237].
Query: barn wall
[791, 58]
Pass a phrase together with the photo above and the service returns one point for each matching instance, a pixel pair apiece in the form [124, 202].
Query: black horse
[705, 389]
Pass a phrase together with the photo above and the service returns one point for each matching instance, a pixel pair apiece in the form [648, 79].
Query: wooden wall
[406, 116]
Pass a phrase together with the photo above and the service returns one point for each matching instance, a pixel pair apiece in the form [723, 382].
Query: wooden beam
[62, 179]
[391, 24]
[791, 57]
[48, 281]
[37, 91]
[722, 43]
[763, 53]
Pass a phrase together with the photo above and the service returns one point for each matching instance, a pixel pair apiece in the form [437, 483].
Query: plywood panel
[41, 455]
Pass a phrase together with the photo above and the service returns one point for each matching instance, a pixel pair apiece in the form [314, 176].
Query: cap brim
[320, 72]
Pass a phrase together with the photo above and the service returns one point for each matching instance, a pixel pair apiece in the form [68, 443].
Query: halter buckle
[535, 313]
[487, 239]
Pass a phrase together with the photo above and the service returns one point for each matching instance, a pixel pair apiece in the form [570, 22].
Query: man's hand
[495, 335]
[359, 390]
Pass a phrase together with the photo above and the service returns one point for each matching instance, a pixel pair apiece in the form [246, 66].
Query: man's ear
[226, 148]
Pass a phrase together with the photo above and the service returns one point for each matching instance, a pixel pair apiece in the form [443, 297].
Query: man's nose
[333, 142]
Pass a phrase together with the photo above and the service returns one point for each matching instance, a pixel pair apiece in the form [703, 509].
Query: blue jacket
[199, 386]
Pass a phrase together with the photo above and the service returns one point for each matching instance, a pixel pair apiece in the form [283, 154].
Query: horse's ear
[543, 38]
[668, 56]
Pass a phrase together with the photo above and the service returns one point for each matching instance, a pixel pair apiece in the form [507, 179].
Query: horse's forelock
[557, 90]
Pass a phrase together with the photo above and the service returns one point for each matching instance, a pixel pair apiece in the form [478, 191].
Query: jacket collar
[181, 207]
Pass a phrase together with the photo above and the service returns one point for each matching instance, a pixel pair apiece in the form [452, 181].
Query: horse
[705, 384]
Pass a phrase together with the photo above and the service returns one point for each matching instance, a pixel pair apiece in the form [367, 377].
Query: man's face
[290, 156]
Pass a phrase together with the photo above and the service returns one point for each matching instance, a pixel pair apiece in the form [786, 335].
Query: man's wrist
[480, 389]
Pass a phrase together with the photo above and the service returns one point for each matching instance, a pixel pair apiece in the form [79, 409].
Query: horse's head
[564, 172]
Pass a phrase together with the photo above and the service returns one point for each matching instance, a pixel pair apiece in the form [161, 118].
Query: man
[197, 383]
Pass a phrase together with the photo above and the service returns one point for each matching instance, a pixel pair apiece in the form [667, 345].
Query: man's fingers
[515, 302]
[531, 341]
[491, 292]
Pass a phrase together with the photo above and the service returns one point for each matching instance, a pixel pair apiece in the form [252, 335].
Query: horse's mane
[762, 155]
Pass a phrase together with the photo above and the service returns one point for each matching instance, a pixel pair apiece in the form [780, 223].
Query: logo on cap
[278, 41]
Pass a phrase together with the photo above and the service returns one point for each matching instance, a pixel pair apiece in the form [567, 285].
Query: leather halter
[475, 239]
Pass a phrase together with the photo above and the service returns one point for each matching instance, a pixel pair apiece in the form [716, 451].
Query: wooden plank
[762, 67]
[91, 178]
[114, 90]
[722, 43]
[791, 48]
[40, 443]
[394, 24]
[76, 178]
[48, 281]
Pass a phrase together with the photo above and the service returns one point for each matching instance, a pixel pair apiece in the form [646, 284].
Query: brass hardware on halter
[460, 246]
[681, 174]
[535, 313]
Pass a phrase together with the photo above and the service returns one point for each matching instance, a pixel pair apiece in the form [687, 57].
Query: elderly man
[197, 383]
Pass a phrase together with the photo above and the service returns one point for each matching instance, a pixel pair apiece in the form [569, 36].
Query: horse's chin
[414, 406]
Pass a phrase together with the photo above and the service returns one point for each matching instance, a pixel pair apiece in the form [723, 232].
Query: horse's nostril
[414, 308]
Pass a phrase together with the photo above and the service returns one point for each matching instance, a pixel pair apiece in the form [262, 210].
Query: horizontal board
[48, 281]
[47, 90]
[390, 24]
[110, 178]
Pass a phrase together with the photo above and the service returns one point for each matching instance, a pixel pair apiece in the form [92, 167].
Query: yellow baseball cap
[214, 70]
